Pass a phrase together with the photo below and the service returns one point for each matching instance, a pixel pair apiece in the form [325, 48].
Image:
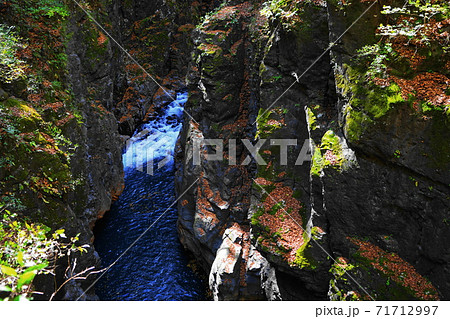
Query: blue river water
[156, 267]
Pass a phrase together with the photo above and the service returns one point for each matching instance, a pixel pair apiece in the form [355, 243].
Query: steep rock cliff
[65, 169]
[367, 217]
[94, 67]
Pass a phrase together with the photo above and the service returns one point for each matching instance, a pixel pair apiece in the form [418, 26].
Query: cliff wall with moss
[70, 95]
[367, 86]
[61, 152]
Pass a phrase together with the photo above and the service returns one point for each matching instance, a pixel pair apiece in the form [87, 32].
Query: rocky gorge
[366, 216]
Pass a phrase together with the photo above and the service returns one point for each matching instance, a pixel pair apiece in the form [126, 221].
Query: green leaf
[21, 298]
[8, 271]
[36, 267]
[20, 258]
[25, 279]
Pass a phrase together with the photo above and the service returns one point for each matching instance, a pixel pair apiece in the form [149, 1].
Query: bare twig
[78, 276]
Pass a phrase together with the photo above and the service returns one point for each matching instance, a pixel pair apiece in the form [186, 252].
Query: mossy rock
[39, 172]
[303, 257]
[367, 102]
[28, 117]
[328, 154]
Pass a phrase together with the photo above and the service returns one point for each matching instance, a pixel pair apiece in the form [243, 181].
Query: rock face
[367, 217]
[92, 88]
[71, 169]
[213, 219]
[156, 36]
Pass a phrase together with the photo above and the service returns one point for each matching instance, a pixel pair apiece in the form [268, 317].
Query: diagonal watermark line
[297, 78]
[316, 242]
[130, 56]
[105, 270]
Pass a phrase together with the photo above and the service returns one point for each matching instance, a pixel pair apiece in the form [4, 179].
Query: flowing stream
[156, 267]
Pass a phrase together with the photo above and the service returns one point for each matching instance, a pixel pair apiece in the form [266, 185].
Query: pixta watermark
[155, 154]
[253, 149]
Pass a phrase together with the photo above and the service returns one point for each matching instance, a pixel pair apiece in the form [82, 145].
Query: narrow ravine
[156, 267]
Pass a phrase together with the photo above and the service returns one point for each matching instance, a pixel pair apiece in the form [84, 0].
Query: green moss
[342, 289]
[255, 217]
[431, 109]
[212, 58]
[264, 129]
[339, 270]
[317, 162]
[264, 190]
[330, 141]
[312, 120]
[275, 208]
[367, 101]
[386, 281]
[366, 96]
[330, 146]
[378, 103]
[303, 256]
[27, 122]
[262, 70]
[355, 123]
[37, 167]
[210, 49]
[265, 172]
